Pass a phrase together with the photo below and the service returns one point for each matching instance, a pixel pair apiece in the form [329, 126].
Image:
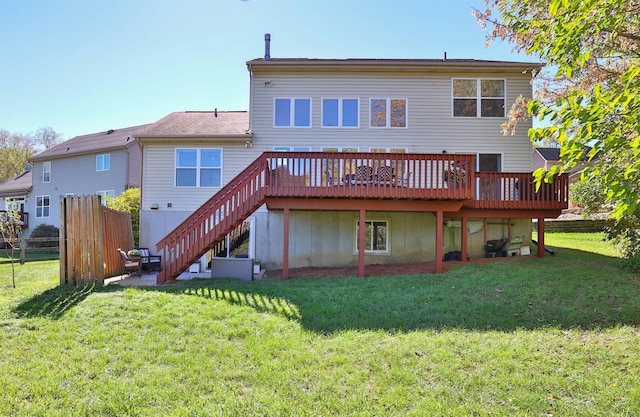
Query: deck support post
[463, 239]
[541, 237]
[439, 240]
[361, 229]
[285, 246]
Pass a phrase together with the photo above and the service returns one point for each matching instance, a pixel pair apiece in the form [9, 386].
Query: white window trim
[104, 194]
[340, 113]
[479, 98]
[292, 112]
[388, 236]
[43, 206]
[388, 115]
[45, 171]
[197, 168]
[98, 157]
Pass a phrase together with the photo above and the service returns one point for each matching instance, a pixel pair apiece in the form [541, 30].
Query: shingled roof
[91, 143]
[18, 185]
[200, 124]
[549, 154]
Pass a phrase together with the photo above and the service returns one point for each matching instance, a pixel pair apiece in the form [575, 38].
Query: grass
[512, 337]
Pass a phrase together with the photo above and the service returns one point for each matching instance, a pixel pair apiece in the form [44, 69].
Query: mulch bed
[421, 268]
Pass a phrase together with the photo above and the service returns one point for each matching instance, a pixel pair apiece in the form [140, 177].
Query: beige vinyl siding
[159, 177]
[431, 126]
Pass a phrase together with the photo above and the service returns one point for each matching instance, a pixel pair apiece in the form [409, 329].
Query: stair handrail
[178, 260]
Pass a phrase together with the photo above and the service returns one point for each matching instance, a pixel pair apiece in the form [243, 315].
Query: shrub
[128, 201]
[45, 230]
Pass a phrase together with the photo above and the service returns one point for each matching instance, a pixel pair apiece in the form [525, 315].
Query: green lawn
[558, 336]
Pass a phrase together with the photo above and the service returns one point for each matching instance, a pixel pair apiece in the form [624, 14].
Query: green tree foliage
[590, 89]
[588, 194]
[11, 230]
[17, 148]
[128, 201]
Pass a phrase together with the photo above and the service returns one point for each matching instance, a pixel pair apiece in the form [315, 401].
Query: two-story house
[104, 163]
[351, 162]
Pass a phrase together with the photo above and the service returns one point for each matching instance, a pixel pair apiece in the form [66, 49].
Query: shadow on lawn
[505, 296]
[55, 302]
[586, 292]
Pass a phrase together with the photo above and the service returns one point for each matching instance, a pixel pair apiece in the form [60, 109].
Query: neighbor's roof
[200, 124]
[92, 143]
[549, 154]
[403, 65]
[18, 185]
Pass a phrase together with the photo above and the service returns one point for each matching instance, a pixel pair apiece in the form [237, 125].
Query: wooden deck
[440, 183]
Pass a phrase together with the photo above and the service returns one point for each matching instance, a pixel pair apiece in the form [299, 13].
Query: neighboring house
[330, 145]
[548, 157]
[545, 158]
[14, 195]
[105, 163]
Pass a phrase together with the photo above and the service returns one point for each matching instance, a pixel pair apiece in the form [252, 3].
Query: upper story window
[103, 162]
[340, 112]
[292, 112]
[388, 112]
[42, 206]
[46, 172]
[198, 167]
[478, 97]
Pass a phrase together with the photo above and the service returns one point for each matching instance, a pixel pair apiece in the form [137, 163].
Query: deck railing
[512, 190]
[371, 175]
[24, 218]
[350, 175]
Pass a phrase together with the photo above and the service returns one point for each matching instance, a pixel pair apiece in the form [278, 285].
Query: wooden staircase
[211, 223]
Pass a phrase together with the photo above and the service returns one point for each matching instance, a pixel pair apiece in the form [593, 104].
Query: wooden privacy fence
[89, 236]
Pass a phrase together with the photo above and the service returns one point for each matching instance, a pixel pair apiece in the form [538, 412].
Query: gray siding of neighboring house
[77, 175]
[134, 171]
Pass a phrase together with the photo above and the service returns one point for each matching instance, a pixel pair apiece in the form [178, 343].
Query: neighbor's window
[376, 236]
[292, 112]
[198, 167]
[104, 194]
[46, 171]
[103, 162]
[386, 112]
[340, 112]
[478, 98]
[42, 206]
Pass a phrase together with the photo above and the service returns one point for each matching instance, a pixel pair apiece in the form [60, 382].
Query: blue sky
[85, 66]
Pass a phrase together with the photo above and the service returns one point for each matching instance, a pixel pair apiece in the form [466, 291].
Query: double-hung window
[198, 167]
[388, 112]
[42, 206]
[292, 112]
[340, 112]
[376, 236]
[104, 194]
[103, 162]
[478, 97]
[46, 172]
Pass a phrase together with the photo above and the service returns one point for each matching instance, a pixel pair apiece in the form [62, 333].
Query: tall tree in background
[46, 137]
[17, 148]
[590, 88]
